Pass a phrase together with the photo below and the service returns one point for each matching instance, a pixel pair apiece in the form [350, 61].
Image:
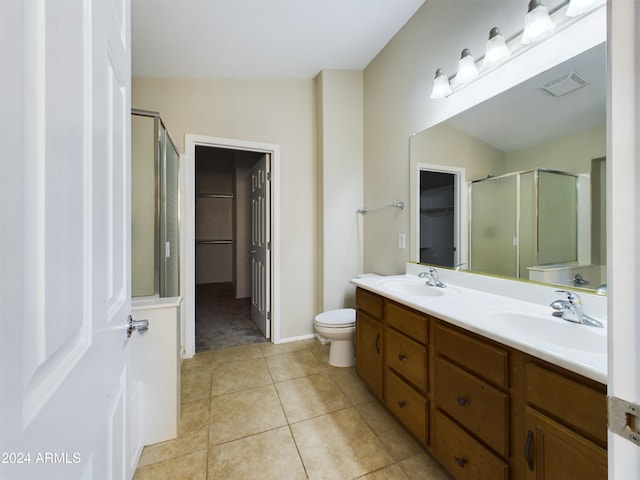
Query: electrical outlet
[401, 241]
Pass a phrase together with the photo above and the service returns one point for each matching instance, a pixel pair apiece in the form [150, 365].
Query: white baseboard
[296, 339]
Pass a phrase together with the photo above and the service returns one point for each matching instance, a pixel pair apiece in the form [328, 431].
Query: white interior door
[260, 245]
[66, 393]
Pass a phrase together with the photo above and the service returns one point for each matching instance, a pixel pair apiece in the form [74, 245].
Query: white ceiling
[299, 38]
[261, 38]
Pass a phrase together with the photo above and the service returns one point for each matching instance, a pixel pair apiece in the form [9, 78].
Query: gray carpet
[221, 320]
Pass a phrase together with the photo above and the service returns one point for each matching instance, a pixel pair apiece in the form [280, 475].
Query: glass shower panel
[493, 226]
[143, 206]
[170, 208]
[527, 223]
[557, 218]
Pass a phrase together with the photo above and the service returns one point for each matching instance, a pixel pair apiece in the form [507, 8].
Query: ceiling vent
[565, 84]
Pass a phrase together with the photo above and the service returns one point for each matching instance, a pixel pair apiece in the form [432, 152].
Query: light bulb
[441, 86]
[537, 23]
[467, 69]
[497, 49]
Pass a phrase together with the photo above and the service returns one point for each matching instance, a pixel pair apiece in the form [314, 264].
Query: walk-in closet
[222, 253]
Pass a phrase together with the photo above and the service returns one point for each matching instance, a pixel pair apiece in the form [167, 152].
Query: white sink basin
[409, 286]
[549, 330]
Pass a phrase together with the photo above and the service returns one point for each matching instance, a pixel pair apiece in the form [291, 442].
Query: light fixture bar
[516, 46]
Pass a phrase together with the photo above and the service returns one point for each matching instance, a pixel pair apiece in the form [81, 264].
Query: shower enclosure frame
[163, 140]
[518, 219]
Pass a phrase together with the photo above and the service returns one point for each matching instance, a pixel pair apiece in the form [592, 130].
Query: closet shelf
[214, 242]
[215, 195]
[427, 211]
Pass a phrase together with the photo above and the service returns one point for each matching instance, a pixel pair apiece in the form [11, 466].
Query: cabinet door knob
[401, 357]
[401, 404]
[461, 461]
[462, 401]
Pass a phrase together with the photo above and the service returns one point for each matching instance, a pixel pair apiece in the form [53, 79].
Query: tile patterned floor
[280, 412]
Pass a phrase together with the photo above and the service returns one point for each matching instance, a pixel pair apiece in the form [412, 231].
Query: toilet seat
[341, 318]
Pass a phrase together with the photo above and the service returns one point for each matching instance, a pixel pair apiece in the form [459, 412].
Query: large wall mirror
[515, 186]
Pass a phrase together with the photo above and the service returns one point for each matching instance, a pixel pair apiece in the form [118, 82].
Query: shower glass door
[494, 226]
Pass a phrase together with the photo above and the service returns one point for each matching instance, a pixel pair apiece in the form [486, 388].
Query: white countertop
[579, 348]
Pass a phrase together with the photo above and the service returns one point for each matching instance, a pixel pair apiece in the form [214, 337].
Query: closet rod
[214, 242]
[364, 210]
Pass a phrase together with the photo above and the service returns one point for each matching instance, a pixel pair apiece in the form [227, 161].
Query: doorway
[219, 252]
[225, 249]
[439, 206]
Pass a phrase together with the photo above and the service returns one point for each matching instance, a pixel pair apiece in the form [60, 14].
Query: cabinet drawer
[407, 321]
[407, 357]
[369, 303]
[571, 402]
[406, 404]
[462, 455]
[481, 408]
[484, 360]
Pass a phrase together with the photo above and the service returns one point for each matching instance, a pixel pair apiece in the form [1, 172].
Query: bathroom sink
[549, 330]
[409, 286]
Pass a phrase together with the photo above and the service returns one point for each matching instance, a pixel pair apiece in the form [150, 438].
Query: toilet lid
[343, 317]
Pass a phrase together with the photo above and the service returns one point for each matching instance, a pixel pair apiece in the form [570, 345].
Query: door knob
[141, 326]
[251, 252]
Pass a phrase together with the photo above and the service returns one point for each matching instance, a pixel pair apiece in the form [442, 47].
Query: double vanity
[483, 374]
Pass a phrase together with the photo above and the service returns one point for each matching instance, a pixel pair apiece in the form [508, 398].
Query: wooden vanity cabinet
[369, 340]
[483, 409]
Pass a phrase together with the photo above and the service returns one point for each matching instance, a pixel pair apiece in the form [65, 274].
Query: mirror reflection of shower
[533, 225]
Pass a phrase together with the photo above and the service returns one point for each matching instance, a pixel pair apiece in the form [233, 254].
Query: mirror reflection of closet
[437, 219]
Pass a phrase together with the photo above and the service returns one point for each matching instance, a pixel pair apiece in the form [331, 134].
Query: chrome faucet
[432, 278]
[570, 310]
[578, 281]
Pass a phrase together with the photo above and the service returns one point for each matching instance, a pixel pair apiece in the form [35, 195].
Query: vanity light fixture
[441, 85]
[578, 7]
[467, 69]
[497, 49]
[537, 23]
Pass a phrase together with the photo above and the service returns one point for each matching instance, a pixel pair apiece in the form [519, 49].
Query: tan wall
[446, 146]
[572, 153]
[340, 162]
[272, 111]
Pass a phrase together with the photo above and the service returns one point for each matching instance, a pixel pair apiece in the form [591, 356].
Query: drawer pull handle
[462, 401]
[378, 343]
[527, 450]
[401, 357]
[401, 404]
[461, 461]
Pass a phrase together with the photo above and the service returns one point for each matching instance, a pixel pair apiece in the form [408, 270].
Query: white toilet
[339, 326]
